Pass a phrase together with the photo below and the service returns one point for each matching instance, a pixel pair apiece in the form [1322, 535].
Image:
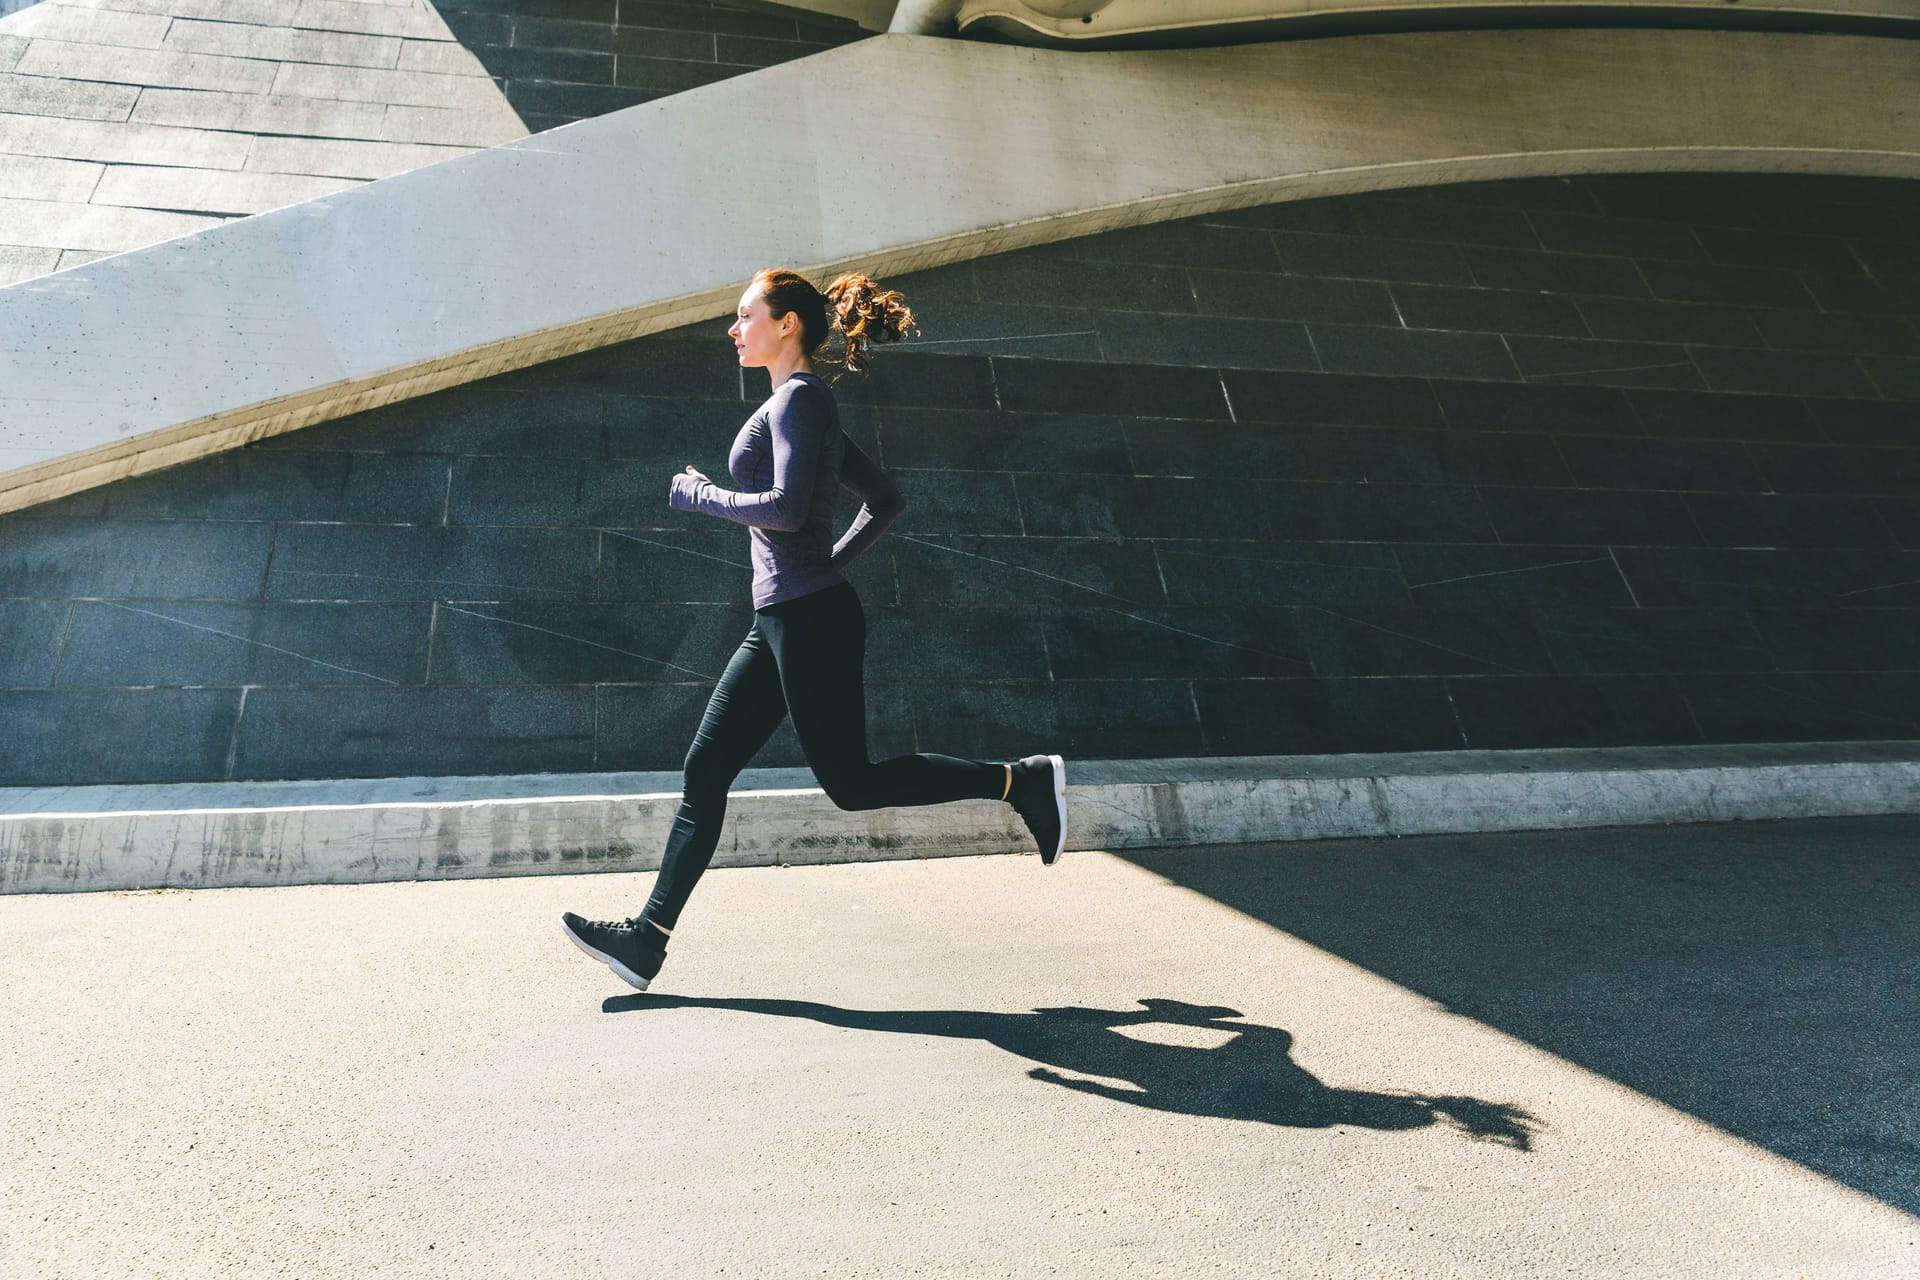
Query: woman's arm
[880, 505]
[797, 425]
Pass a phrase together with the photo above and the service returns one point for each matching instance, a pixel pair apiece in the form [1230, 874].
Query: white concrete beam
[652, 217]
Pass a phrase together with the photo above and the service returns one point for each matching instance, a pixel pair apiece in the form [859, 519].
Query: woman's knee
[706, 773]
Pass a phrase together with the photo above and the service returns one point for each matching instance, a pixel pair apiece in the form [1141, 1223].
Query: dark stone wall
[1610, 461]
[564, 60]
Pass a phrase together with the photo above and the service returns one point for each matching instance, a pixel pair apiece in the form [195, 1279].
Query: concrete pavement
[1661, 1052]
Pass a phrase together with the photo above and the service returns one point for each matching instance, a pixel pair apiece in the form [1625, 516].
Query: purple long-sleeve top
[790, 461]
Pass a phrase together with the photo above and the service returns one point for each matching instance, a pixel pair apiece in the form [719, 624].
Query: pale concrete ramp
[64, 839]
[653, 217]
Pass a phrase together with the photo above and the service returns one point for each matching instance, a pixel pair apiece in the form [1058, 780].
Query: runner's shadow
[1196, 1060]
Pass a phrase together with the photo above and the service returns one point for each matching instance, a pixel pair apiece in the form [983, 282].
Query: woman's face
[756, 335]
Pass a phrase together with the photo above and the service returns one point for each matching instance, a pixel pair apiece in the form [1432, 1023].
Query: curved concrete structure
[643, 220]
[1160, 23]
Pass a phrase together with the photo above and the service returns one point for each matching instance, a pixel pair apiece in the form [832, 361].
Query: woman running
[804, 653]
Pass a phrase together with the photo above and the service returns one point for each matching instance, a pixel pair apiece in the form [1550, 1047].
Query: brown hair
[853, 309]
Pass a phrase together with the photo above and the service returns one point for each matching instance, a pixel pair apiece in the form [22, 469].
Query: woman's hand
[685, 488]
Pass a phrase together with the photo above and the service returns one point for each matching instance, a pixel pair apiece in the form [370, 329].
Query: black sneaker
[631, 948]
[1039, 795]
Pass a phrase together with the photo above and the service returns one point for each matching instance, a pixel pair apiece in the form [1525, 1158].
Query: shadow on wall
[1168, 1055]
[1761, 977]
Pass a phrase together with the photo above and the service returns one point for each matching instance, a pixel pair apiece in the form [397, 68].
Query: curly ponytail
[854, 309]
[865, 315]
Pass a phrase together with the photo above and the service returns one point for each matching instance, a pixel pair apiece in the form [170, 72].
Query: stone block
[1589, 641]
[1487, 310]
[935, 381]
[67, 99]
[572, 66]
[69, 557]
[977, 440]
[1328, 575]
[1299, 716]
[1618, 711]
[965, 571]
[1281, 297]
[1712, 282]
[368, 84]
[1374, 512]
[934, 644]
[993, 328]
[159, 735]
[408, 22]
[671, 75]
[1794, 707]
[283, 44]
[25, 262]
[398, 562]
[677, 366]
[53, 224]
[584, 643]
[1510, 578]
[1787, 520]
[644, 42]
[40, 178]
[1861, 422]
[1633, 319]
[675, 566]
[1559, 273]
[561, 492]
[209, 191]
[1138, 390]
[132, 143]
[337, 158]
[453, 127]
[1784, 372]
[158, 67]
[382, 732]
[941, 502]
[1894, 377]
[1147, 507]
[256, 113]
[1825, 331]
[1364, 258]
[1614, 364]
[1050, 279]
[1412, 352]
[1716, 416]
[442, 57]
[31, 635]
[672, 432]
[1589, 517]
[1135, 338]
[1332, 398]
[263, 12]
[1391, 215]
[1416, 640]
[73, 24]
[1599, 462]
[1838, 469]
[477, 419]
[1776, 250]
[1492, 406]
[264, 484]
[683, 17]
[1100, 641]
[1187, 243]
[189, 642]
[1617, 237]
[1831, 640]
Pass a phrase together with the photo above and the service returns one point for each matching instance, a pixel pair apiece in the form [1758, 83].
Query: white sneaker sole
[1059, 803]
[626, 975]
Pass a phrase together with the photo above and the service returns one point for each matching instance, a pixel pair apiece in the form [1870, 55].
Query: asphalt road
[1669, 1052]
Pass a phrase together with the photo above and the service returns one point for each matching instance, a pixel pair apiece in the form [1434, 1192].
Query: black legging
[802, 658]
